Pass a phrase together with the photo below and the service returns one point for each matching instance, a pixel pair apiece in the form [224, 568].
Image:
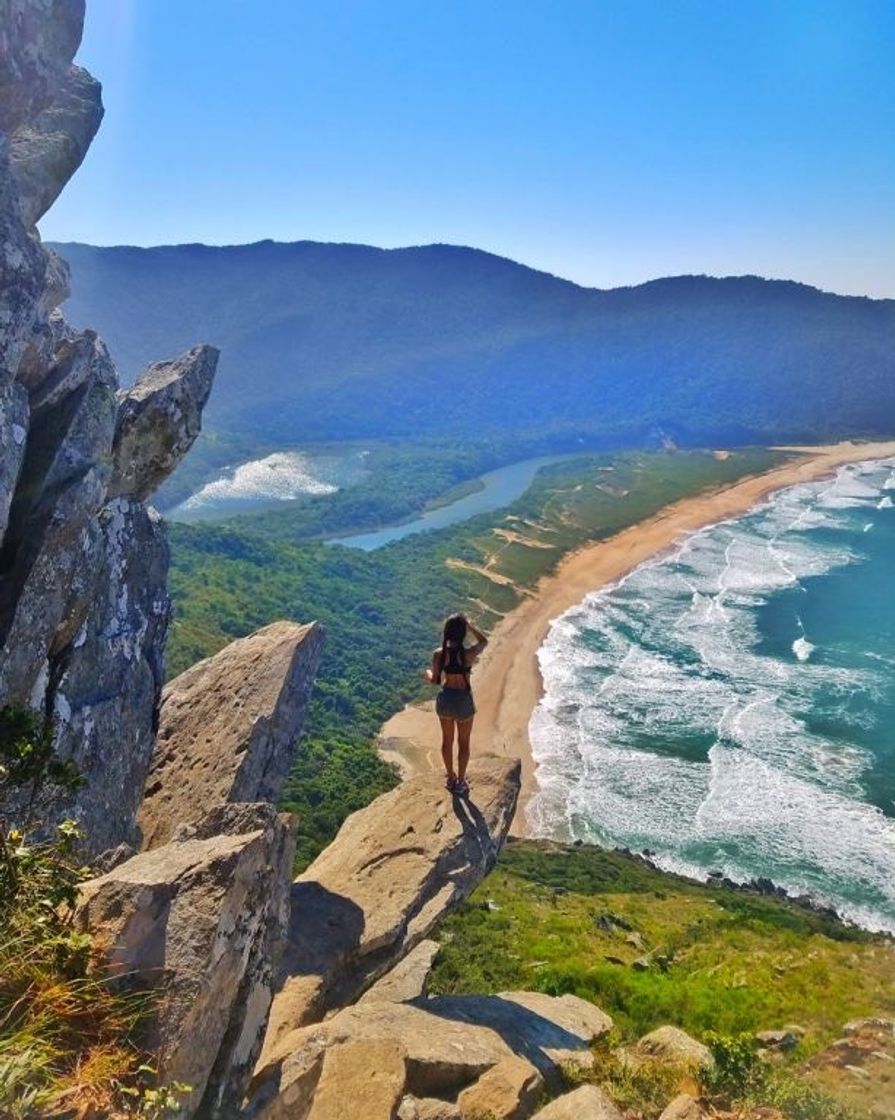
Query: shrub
[741, 1079]
[68, 1036]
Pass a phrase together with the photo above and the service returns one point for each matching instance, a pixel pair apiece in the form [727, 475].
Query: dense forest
[341, 342]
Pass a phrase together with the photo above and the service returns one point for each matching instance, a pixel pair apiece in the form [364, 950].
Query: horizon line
[483, 252]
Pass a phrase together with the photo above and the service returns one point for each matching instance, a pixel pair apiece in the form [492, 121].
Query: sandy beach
[507, 681]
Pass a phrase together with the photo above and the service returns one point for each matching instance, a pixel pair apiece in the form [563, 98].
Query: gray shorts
[455, 703]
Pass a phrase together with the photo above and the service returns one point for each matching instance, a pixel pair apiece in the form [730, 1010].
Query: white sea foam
[666, 725]
[283, 476]
[802, 648]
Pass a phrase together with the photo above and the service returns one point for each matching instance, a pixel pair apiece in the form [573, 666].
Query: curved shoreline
[507, 679]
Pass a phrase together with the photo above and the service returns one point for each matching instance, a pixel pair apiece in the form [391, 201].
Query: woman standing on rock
[451, 666]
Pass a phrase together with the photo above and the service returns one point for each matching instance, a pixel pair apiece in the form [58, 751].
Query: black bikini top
[452, 661]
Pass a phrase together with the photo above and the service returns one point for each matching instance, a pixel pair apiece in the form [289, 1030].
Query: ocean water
[731, 707]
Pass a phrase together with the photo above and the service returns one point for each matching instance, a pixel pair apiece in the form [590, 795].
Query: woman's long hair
[452, 644]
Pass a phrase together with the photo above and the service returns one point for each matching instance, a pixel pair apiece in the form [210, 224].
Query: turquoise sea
[731, 707]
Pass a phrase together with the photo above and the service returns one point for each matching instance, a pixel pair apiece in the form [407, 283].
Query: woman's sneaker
[450, 783]
[461, 789]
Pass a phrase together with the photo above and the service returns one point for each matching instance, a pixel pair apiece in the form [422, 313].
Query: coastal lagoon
[499, 488]
[731, 707]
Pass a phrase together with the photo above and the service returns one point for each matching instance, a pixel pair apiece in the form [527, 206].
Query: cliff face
[83, 559]
[84, 614]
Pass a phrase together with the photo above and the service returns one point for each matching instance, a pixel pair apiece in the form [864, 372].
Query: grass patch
[560, 920]
[69, 1035]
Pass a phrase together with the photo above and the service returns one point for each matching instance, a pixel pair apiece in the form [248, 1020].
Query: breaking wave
[726, 707]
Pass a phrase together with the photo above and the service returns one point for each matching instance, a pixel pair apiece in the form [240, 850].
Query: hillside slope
[333, 342]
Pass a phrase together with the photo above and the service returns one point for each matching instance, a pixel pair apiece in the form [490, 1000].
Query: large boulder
[159, 417]
[200, 922]
[229, 727]
[551, 1032]
[366, 1074]
[395, 868]
[447, 1046]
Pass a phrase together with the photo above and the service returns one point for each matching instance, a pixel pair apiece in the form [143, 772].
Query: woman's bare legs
[447, 744]
[464, 730]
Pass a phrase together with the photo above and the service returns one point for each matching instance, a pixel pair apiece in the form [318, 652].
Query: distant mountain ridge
[331, 341]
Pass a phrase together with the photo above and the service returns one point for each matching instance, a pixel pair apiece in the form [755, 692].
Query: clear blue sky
[608, 141]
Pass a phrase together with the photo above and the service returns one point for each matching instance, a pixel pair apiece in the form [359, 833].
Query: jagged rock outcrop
[158, 419]
[112, 675]
[393, 870]
[83, 563]
[49, 554]
[84, 611]
[229, 726]
[39, 39]
[48, 150]
[200, 921]
[13, 429]
[446, 1044]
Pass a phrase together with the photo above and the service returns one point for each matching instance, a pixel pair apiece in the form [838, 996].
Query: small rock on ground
[585, 1103]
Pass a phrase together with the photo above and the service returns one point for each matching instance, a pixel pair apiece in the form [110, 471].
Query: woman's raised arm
[481, 640]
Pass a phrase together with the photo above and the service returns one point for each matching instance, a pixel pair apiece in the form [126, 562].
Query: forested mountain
[327, 341]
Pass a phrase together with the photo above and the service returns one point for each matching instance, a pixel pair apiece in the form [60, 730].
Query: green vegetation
[69, 1037]
[717, 960]
[740, 1076]
[382, 609]
[718, 963]
[741, 1084]
[644, 1088]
